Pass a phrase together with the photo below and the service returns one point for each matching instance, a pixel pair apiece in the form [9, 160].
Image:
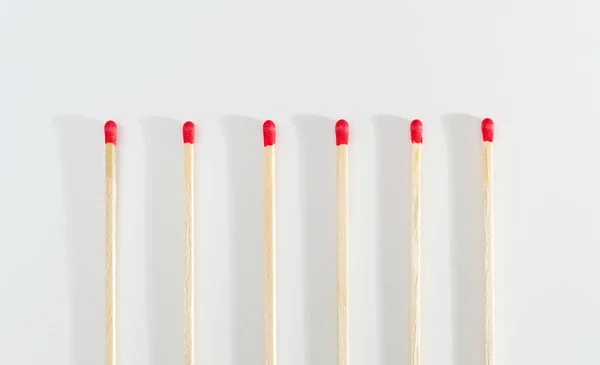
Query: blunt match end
[269, 133]
[416, 131]
[341, 132]
[189, 132]
[110, 132]
[487, 130]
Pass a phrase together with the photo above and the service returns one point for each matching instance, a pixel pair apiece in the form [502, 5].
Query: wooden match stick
[416, 135]
[189, 136]
[269, 134]
[487, 129]
[110, 139]
[341, 134]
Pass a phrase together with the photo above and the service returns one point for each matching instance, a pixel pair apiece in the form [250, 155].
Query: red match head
[487, 130]
[269, 133]
[110, 132]
[189, 132]
[416, 131]
[341, 132]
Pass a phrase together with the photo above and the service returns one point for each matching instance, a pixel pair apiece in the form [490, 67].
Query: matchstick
[416, 135]
[269, 134]
[110, 140]
[341, 135]
[487, 129]
[189, 136]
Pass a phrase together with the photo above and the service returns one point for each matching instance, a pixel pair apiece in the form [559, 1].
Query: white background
[68, 66]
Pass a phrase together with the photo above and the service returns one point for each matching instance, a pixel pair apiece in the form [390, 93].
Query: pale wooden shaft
[270, 259]
[415, 285]
[342, 253]
[111, 257]
[189, 261]
[489, 253]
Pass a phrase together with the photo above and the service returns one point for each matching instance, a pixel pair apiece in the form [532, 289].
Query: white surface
[67, 66]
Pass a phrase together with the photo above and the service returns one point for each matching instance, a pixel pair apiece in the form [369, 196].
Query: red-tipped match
[416, 131]
[189, 132]
[110, 132]
[341, 132]
[269, 133]
[487, 129]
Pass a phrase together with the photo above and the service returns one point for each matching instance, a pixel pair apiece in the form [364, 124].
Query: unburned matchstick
[110, 139]
[487, 129]
[189, 136]
[269, 134]
[341, 136]
[416, 135]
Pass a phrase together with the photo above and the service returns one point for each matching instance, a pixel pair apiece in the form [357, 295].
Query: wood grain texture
[270, 259]
[111, 256]
[342, 252]
[189, 254]
[488, 202]
[415, 285]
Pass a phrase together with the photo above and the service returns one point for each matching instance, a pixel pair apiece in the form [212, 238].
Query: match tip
[487, 129]
[269, 133]
[110, 132]
[189, 132]
[341, 132]
[416, 131]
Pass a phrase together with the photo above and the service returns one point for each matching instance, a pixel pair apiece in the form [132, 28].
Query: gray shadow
[393, 209]
[164, 224]
[465, 151]
[81, 146]
[243, 136]
[318, 204]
